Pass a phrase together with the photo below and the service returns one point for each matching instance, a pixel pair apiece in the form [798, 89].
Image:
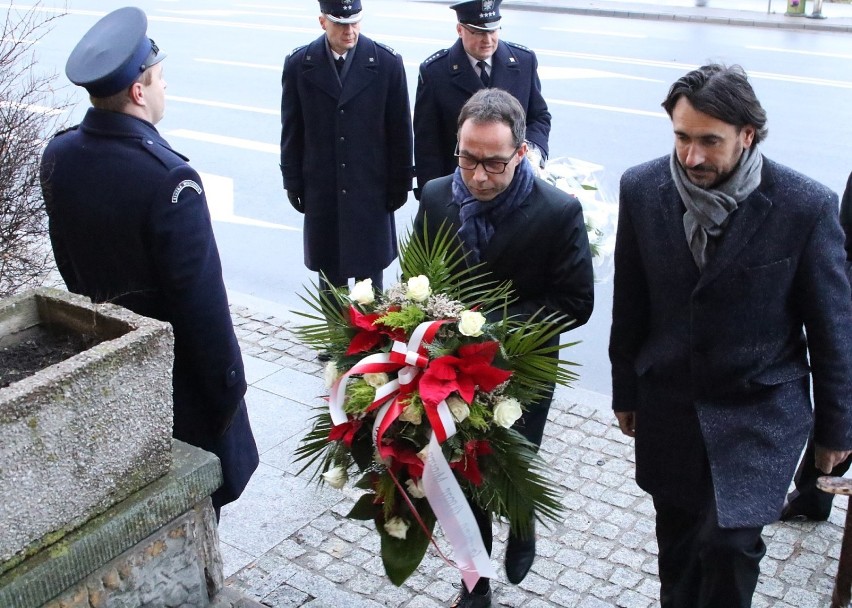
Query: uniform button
[149, 142]
[343, 191]
[342, 139]
[342, 112]
[233, 374]
[342, 165]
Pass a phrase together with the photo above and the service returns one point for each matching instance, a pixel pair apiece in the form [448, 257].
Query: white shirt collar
[473, 61]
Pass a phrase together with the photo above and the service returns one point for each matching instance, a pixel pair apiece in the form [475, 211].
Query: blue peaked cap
[113, 53]
[482, 15]
[341, 11]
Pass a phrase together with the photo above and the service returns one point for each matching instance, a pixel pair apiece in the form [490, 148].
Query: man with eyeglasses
[478, 59]
[515, 227]
[346, 146]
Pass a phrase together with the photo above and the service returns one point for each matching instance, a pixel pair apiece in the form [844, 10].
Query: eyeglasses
[494, 166]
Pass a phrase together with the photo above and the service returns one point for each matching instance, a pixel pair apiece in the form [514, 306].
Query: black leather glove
[396, 200]
[296, 201]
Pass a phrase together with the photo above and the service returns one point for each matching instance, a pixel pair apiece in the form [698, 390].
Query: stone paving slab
[288, 543]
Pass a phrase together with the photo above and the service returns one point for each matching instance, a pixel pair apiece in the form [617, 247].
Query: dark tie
[486, 80]
[338, 63]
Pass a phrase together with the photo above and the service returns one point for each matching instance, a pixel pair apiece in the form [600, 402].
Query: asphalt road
[604, 79]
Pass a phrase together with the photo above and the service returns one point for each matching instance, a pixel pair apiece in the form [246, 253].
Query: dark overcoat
[129, 224]
[447, 80]
[846, 222]
[542, 247]
[345, 148]
[715, 363]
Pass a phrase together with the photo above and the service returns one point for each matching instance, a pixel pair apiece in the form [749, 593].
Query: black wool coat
[346, 149]
[716, 363]
[846, 221]
[542, 247]
[129, 224]
[447, 80]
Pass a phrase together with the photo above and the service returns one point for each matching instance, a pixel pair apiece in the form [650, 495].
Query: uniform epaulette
[434, 56]
[296, 50]
[386, 47]
[519, 46]
[168, 157]
[64, 131]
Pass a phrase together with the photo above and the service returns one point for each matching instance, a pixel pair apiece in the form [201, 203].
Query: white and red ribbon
[450, 506]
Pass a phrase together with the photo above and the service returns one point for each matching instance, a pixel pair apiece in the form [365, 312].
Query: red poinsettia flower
[345, 432]
[370, 334]
[468, 466]
[463, 373]
[409, 460]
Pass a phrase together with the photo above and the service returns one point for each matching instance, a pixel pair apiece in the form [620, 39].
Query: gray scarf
[707, 211]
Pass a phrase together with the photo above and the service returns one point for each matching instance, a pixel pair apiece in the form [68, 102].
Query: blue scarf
[479, 218]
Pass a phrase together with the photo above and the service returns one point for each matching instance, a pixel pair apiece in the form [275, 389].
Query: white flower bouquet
[426, 381]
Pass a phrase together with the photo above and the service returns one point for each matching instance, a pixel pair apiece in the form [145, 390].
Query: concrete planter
[82, 435]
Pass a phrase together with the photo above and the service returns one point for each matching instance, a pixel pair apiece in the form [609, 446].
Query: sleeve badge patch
[187, 183]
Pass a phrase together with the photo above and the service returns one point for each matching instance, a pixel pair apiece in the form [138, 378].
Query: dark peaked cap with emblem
[482, 15]
[113, 53]
[341, 11]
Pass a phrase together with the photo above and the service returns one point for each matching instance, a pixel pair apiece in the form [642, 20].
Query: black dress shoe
[324, 356]
[799, 510]
[466, 599]
[520, 555]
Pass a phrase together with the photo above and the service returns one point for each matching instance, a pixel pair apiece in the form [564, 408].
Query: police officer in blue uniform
[346, 146]
[129, 224]
[448, 78]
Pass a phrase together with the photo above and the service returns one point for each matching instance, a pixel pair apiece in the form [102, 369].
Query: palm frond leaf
[315, 445]
[441, 258]
[516, 487]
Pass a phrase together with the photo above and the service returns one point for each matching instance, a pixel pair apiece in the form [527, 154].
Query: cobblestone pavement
[287, 543]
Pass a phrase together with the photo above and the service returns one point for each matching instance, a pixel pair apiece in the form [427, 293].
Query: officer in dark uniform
[448, 78]
[129, 225]
[346, 146]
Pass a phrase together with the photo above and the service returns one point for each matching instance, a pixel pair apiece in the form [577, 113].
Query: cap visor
[484, 27]
[154, 61]
[344, 20]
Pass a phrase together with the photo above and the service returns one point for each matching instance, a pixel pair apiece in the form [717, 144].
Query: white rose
[411, 414]
[470, 323]
[376, 380]
[362, 292]
[396, 527]
[507, 411]
[335, 477]
[331, 374]
[458, 408]
[415, 488]
[418, 288]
